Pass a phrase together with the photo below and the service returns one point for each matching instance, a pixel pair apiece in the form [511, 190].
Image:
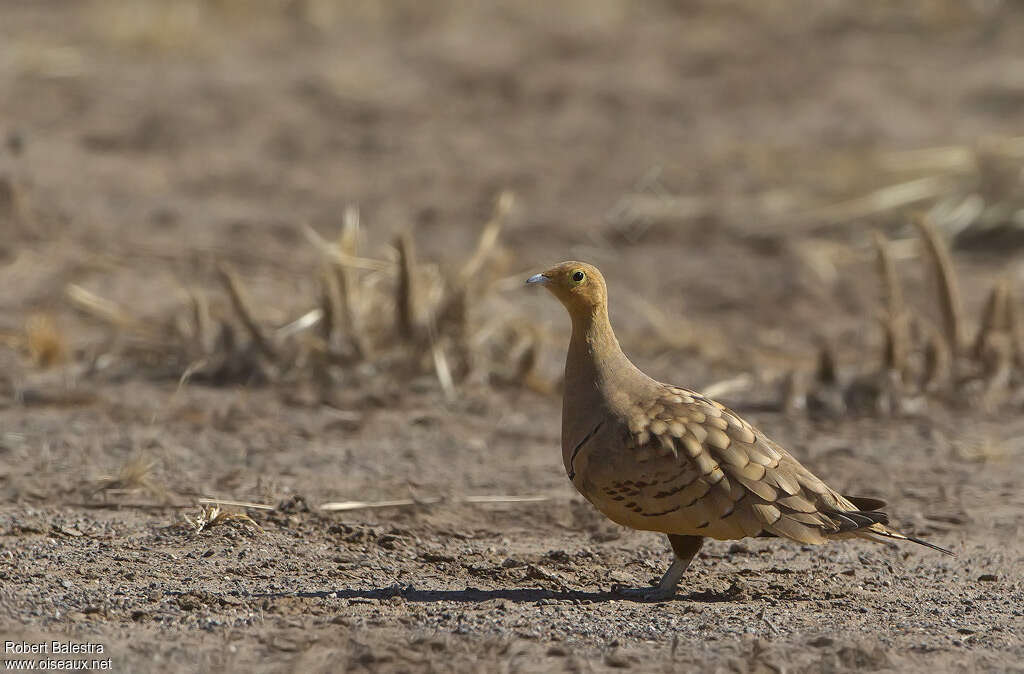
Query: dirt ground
[695, 151]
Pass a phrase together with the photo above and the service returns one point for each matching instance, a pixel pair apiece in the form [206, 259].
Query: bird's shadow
[479, 596]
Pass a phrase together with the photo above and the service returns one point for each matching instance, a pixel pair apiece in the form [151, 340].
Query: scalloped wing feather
[705, 471]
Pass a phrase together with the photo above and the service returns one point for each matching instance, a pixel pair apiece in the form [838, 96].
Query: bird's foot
[656, 593]
[666, 587]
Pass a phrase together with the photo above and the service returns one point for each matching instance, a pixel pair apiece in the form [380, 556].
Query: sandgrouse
[662, 458]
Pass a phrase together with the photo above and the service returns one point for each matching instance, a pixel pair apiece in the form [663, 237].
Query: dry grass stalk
[414, 323]
[348, 286]
[937, 366]
[827, 370]
[893, 353]
[190, 371]
[349, 295]
[348, 236]
[453, 320]
[946, 159]
[407, 291]
[366, 505]
[995, 345]
[826, 396]
[202, 330]
[46, 344]
[236, 504]
[330, 304]
[895, 323]
[882, 200]
[506, 499]
[105, 310]
[994, 317]
[212, 515]
[488, 237]
[397, 503]
[1016, 330]
[997, 367]
[949, 292]
[343, 259]
[308, 320]
[444, 373]
[240, 304]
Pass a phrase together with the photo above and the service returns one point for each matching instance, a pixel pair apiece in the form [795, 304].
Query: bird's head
[577, 285]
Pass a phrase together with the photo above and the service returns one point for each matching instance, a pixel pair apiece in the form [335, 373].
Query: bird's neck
[597, 383]
[595, 358]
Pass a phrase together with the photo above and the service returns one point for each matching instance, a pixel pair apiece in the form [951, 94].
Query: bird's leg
[685, 549]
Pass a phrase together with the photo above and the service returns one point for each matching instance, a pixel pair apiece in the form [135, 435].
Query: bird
[657, 457]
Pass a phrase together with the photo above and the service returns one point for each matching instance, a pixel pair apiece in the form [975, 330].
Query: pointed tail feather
[886, 532]
[930, 545]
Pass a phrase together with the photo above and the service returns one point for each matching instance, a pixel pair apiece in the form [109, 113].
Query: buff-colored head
[577, 285]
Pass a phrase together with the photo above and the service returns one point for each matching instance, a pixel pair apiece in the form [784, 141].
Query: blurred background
[271, 249]
[701, 148]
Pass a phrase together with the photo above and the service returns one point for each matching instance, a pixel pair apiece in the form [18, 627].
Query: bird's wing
[699, 466]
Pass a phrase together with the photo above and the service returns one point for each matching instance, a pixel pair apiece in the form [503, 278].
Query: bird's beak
[537, 278]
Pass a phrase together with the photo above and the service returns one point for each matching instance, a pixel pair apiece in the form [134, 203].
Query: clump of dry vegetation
[969, 197]
[393, 318]
[919, 360]
[136, 475]
[212, 515]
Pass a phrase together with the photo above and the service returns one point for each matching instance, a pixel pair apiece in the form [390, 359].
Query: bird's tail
[871, 524]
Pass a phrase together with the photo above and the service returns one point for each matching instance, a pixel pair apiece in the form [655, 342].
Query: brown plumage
[662, 458]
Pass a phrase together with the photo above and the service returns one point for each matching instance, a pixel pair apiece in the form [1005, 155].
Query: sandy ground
[144, 142]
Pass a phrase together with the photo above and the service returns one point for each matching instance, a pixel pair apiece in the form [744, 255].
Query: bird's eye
[578, 276]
